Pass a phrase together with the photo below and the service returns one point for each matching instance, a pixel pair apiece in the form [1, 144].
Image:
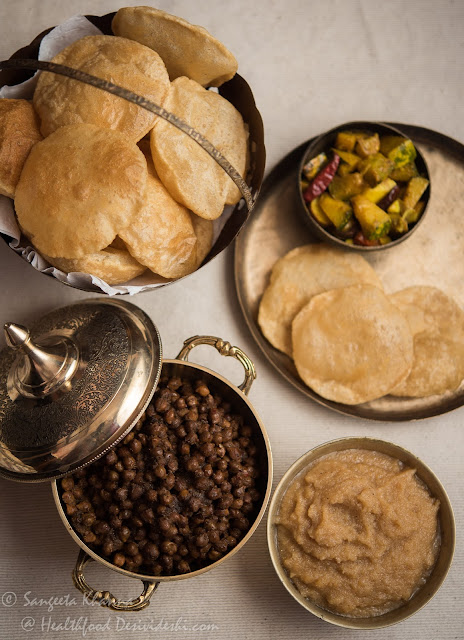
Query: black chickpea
[179, 491]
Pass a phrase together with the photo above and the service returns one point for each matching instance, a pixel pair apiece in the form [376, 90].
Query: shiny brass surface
[431, 256]
[105, 598]
[446, 522]
[225, 349]
[81, 380]
[241, 405]
[39, 369]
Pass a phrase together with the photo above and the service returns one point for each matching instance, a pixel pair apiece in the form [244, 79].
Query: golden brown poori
[112, 265]
[204, 231]
[162, 236]
[190, 174]
[349, 343]
[60, 100]
[437, 325]
[19, 132]
[352, 344]
[85, 198]
[79, 188]
[297, 277]
[187, 49]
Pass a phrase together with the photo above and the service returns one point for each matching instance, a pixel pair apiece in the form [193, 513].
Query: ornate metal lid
[73, 386]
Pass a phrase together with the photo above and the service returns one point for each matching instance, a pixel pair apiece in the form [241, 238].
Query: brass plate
[431, 256]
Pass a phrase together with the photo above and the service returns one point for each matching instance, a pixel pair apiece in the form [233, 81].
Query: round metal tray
[433, 256]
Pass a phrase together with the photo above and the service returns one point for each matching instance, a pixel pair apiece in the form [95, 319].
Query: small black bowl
[325, 142]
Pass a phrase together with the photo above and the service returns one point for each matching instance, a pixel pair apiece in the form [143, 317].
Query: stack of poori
[350, 341]
[103, 186]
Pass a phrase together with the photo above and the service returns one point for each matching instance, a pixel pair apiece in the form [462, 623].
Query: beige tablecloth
[312, 65]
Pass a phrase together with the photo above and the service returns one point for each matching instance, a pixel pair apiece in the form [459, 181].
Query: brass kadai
[73, 386]
[237, 396]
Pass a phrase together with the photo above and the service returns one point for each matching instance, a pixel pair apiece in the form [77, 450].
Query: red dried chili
[320, 183]
[389, 198]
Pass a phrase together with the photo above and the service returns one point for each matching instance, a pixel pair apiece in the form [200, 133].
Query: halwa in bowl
[365, 529]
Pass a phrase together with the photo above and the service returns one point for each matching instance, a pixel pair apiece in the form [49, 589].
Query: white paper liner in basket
[60, 37]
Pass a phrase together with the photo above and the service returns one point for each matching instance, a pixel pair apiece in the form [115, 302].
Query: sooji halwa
[367, 190]
[93, 160]
[350, 341]
[358, 533]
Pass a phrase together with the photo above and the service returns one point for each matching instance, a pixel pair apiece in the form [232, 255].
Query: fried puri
[204, 231]
[162, 236]
[190, 174]
[114, 266]
[187, 49]
[352, 345]
[301, 274]
[19, 132]
[61, 101]
[79, 188]
[437, 324]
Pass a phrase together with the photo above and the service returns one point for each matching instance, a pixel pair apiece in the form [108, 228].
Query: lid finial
[16, 335]
[39, 370]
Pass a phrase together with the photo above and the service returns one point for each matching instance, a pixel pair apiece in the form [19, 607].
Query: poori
[60, 100]
[188, 172]
[19, 132]
[352, 344]
[204, 231]
[112, 265]
[301, 274]
[187, 49]
[79, 188]
[437, 324]
[358, 532]
[162, 236]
